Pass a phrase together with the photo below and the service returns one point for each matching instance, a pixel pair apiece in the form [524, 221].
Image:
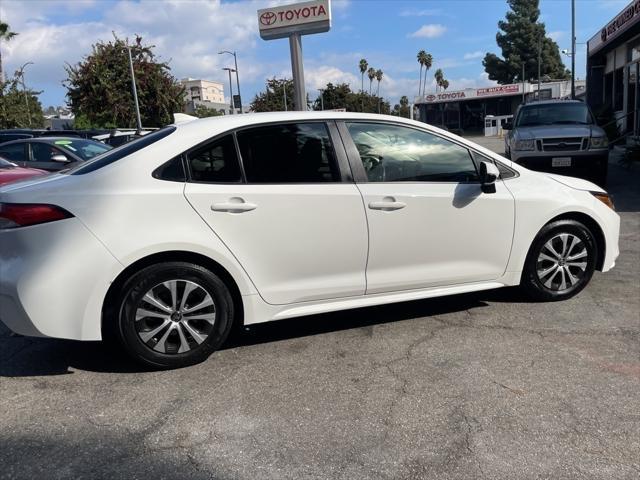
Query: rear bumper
[584, 165]
[53, 280]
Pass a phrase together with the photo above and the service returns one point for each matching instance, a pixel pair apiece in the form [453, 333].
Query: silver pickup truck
[558, 136]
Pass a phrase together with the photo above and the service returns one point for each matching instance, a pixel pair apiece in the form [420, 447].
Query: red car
[10, 172]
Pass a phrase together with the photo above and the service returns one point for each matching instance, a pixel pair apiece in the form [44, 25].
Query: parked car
[52, 153]
[166, 241]
[17, 134]
[558, 136]
[10, 172]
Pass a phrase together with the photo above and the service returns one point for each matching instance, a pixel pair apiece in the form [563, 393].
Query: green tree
[379, 75]
[203, 111]
[445, 83]
[519, 38]
[5, 35]
[402, 109]
[18, 111]
[371, 73]
[341, 96]
[99, 87]
[363, 68]
[426, 61]
[273, 98]
[439, 77]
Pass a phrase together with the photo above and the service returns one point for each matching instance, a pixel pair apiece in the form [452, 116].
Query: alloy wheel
[175, 316]
[562, 262]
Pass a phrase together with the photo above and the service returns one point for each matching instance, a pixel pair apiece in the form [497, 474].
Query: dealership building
[613, 59]
[466, 110]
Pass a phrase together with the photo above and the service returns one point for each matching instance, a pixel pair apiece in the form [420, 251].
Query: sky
[189, 33]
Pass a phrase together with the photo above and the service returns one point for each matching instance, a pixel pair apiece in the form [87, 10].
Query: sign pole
[300, 95]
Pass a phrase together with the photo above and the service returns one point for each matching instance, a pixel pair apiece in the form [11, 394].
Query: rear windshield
[122, 151]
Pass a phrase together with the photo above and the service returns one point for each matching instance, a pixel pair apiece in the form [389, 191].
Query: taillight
[13, 215]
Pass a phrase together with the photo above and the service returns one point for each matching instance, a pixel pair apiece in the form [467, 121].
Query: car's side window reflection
[391, 153]
[216, 162]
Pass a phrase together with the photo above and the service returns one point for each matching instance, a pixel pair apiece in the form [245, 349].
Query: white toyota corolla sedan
[165, 242]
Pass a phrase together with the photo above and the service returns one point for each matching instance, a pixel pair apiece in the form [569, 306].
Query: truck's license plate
[561, 162]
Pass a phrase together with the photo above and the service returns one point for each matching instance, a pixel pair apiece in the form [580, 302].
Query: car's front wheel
[174, 314]
[560, 262]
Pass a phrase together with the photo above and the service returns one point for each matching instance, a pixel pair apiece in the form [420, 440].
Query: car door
[16, 153]
[289, 212]
[430, 224]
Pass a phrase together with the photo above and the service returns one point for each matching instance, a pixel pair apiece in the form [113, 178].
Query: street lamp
[235, 61]
[230, 89]
[20, 73]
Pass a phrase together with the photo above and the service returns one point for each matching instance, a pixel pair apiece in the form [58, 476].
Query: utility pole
[235, 61]
[135, 91]
[523, 74]
[24, 91]
[231, 110]
[284, 90]
[573, 49]
[539, 61]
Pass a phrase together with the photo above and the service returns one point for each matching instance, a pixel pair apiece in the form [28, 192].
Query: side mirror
[507, 126]
[489, 173]
[59, 158]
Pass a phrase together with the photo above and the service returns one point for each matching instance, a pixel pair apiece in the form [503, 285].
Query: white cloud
[432, 30]
[318, 77]
[473, 55]
[429, 12]
[556, 35]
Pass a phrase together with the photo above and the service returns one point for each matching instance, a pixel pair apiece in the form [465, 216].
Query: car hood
[576, 183]
[557, 131]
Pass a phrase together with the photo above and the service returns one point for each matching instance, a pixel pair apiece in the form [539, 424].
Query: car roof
[229, 122]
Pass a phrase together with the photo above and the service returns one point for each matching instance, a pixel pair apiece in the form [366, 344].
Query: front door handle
[234, 205]
[387, 204]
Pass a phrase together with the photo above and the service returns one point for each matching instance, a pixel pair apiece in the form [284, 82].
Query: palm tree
[439, 76]
[445, 84]
[428, 63]
[5, 34]
[379, 75]
[363, 68]
[422, 55]
[371, 73]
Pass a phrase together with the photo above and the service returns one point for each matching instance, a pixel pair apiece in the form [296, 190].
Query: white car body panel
[54, 277]
[452, 226]
[285, 218]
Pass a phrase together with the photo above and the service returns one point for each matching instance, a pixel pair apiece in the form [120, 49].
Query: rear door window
[288, 153]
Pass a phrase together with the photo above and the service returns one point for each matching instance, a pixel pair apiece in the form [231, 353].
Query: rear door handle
[387, 204]
[234, 205]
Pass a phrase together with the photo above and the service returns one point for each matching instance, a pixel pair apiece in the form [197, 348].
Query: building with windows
[203, 90]
[613, 59]
[466, 110]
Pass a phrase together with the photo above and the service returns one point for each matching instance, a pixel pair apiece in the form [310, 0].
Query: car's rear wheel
[560, 262]
[174, 314]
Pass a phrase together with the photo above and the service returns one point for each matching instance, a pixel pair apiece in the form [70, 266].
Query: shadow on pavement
[27, 357]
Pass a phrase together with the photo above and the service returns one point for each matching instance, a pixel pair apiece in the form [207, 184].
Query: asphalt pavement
[483, 385]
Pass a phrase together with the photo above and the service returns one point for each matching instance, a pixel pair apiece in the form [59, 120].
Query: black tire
[201, 339]
[538, 270]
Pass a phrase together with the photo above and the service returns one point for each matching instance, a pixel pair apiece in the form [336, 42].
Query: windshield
[554, 114]
[85, 149]
[6, 164]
